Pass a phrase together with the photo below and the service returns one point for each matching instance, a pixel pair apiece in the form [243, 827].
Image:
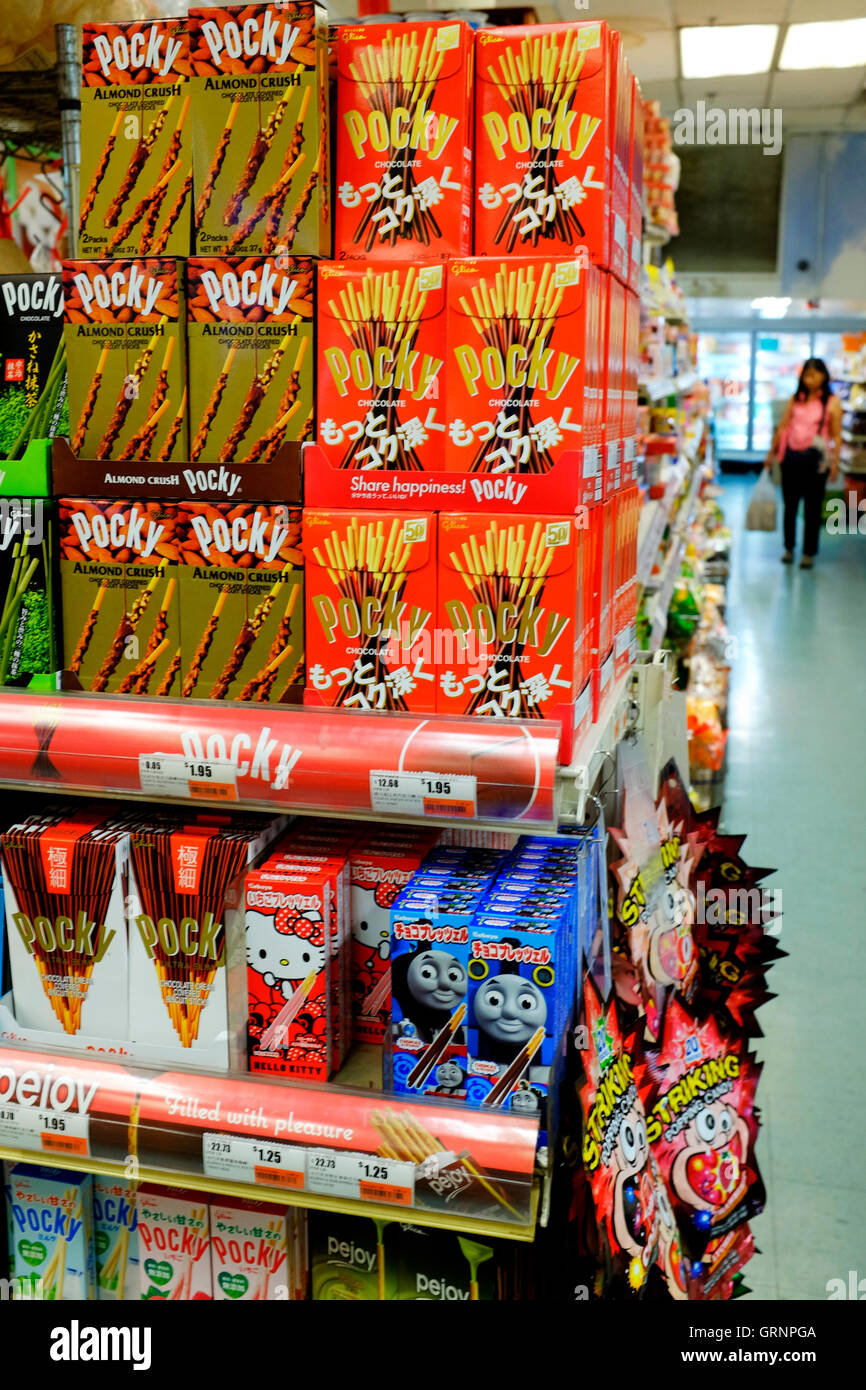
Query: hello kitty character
[284, 947]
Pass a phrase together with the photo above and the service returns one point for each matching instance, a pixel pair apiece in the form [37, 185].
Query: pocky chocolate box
[251, 359]
[119, 585]
[543, 139]
[260, 141]
[33, 403]
[242, 597]
[381, 355]
[404, 140]
[65, 880]
[136, 150]
[512, 604]
[635, 207]
[124, 328]
[174, 1240]
[524, 362]
[614, 297]
[51, 1233]
[370, 609]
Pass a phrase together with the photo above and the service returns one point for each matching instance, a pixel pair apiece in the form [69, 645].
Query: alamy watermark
[739, 125]
[846, 516]
[714, 907]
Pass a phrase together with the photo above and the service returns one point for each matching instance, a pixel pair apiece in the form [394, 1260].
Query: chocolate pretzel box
[371, 609]
[544, 160]
[404, 140]
[251, 358]
[524, 363]
[381, 360]
[242, 599]
[261, 157]
[136, 150]
[124, 329]
[119, 586]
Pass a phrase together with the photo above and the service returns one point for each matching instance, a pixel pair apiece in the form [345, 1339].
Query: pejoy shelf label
[291, 1168]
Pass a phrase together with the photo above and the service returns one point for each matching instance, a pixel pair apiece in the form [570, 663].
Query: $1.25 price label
[424, 794]
[266, 1162]
[171, 774]
[361, 1177]
[44, 1131]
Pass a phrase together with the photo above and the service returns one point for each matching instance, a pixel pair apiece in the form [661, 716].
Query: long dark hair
[819, 365]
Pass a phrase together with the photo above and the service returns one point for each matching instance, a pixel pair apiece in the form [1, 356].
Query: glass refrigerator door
[725, 361]
[778, 360]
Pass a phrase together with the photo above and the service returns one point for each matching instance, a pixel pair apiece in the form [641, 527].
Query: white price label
[44, 1131]
[361, 1177]
[265, 1162]
[171, 774]
[424, 794]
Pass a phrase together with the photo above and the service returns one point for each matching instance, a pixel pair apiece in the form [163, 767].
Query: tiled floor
[796, 783]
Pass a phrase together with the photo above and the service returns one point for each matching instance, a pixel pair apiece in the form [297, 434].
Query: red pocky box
[511, 616]
[404, 143]
[288, 932]
[613, 355]
[524, 362]
[619, 108]
[628, 505]
[371, 609]
[631, 358]
[543, 152]
[601, 551]
[381, 353]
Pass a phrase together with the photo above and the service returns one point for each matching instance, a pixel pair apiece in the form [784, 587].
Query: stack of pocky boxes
[485, 950]
[128, 930]
[32, 361]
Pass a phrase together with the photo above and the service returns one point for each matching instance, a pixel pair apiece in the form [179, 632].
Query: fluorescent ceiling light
[839, 43]
[770, 308]
[727, 50]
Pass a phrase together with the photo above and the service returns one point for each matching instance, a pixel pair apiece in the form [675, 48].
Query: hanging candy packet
[698, 1090]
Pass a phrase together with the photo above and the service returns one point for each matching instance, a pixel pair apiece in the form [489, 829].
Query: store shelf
[467, 1170]
[670, 574]
[654, 519]
[661, 389]
[578, 778]
[481, 772]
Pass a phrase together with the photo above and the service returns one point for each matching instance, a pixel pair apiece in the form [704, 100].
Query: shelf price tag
[171, 774]
[261, 1162]
[361, 1177]
[424, 794]
[44, 1131]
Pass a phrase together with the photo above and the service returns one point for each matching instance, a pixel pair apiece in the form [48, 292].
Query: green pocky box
[32, 363]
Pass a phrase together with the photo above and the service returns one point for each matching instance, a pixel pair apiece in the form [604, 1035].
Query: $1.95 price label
[171, 774]
[424, 794]
[329, 1172]
[44, 1131]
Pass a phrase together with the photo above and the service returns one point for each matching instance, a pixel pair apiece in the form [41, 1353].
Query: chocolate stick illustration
[212, 407]
[125, 629]
[129, 393]
[293, 149]
[139, 158]
[246, 637]
[253, 399]
[156, 408]
[204, 646]
[148, 226]
[503, 1087]
[256, 157]
[87, 631]
[173, 214]
[141, 208]
[171, 438]
[249, 224]
[89, 403]
[216, 165]
[430, 1056]
[100, 171]
[139, 678]
[170, 676]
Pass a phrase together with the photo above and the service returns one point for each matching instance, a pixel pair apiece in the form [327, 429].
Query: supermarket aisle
[795, 784]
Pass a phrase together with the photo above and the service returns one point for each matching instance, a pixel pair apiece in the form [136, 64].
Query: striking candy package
[251, 359]
[544, 165]
[371, 606]
[136, 154]
[381, 354]
[404, 140]
[524, 362]
[124, 329]
[698, 1090]
[260, 136]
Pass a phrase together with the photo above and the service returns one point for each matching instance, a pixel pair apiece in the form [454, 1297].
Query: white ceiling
[823, 98]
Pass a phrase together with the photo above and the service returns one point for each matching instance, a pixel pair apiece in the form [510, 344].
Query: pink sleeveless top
[804, 424]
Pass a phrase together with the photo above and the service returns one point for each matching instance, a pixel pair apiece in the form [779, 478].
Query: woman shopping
[806, 443]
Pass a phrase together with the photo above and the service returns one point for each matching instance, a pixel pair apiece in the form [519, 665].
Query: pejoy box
[126, 350]
[118, 574]
[251, 361]
[380, 358]
[260, 141]
[543, 140]
[371, 605]
[404, 156]
[136, 156]
[523, 381]
[241, 593]
[512, 618]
